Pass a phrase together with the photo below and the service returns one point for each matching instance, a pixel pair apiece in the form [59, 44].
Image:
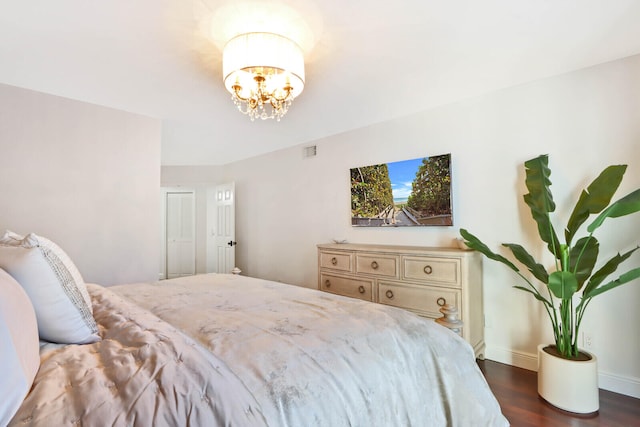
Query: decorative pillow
[54, 285]
[19, 354]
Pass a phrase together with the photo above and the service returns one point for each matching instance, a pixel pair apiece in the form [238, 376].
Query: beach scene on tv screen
[415, 192]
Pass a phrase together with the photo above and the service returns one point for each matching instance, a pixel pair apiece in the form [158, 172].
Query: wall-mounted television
[408, 193]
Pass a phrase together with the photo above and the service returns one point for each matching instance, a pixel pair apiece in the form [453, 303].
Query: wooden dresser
[419, 279]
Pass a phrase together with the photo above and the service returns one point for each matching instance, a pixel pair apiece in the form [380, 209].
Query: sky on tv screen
[402, 175]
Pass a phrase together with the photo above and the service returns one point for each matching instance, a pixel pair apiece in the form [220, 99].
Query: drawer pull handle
[389, 294]
[441, 301]
[374, 265]
[361, 289]
[334, 261]
[327, 283]
[428, 269]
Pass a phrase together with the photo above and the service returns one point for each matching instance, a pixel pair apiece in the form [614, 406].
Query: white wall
[85, 176]
[585, 120]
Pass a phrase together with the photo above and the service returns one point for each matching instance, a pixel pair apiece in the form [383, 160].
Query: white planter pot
[570, 385]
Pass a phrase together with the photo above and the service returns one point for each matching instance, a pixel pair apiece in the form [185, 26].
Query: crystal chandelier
[264, 72]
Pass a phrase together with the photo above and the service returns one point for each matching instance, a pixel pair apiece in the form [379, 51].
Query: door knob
[232, 243]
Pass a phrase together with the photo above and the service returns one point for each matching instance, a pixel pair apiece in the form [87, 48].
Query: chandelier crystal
[264, 72]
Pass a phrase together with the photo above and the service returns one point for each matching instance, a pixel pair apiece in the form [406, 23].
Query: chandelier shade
[264, 72]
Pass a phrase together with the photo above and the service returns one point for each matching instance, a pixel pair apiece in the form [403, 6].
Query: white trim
[628, 386]
[618, 384]
[514, 358]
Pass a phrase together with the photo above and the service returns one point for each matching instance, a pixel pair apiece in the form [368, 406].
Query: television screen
[408, 193]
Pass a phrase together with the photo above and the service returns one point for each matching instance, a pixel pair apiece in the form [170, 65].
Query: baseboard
[607, 381]
[514, 358]
[618, 384]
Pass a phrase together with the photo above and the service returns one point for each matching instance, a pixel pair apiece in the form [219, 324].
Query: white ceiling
[372, 60]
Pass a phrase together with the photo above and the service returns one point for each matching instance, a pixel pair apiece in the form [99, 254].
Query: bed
[230, 350]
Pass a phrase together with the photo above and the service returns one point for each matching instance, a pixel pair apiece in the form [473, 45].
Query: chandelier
[264, 72]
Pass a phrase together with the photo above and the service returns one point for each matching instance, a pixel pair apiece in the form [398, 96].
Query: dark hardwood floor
[517, 391]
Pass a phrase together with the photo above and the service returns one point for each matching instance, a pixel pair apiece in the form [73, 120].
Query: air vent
[310, 151]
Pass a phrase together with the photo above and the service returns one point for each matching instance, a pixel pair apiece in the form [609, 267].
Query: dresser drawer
[422, 299]
[425, 269]
[379, 265]
[335, 261]
[350, 287]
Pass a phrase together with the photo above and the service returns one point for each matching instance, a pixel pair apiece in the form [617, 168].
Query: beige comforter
[143, 372]
[275, 354]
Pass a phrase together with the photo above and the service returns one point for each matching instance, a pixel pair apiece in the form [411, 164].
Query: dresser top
[394, 248]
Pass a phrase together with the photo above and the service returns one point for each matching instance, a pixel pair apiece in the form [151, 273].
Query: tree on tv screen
[370, 191]
[431, 188]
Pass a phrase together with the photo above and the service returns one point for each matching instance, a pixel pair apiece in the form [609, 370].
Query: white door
[221, 247]
[180, 232]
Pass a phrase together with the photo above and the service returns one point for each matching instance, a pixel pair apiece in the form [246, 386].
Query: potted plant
[573, 280]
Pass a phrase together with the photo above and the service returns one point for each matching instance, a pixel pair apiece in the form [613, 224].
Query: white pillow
[54, 285]
[19, 355]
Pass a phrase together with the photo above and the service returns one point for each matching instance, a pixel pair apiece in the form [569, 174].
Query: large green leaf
[540, 200]
[525, 258]
[583, 258]
[595, 198]
[609, 268]
[563, 284]
[538, 182]
[474, 243]
[627, 205]
[624, 278]
[545, 229]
